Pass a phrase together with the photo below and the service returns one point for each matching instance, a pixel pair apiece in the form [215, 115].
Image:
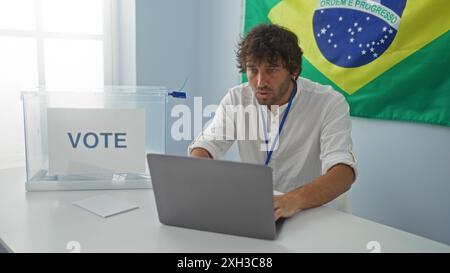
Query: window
[52, 43]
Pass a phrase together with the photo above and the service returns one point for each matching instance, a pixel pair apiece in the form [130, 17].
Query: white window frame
[123, 40]
[40, 35]
[112, 21]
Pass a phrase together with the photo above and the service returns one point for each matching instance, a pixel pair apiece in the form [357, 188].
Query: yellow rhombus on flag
[297, 15]
[389, 58]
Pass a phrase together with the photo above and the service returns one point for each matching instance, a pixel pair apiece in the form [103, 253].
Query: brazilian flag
[389, 58]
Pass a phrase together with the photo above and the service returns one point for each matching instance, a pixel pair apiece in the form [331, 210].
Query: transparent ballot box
[92, 139]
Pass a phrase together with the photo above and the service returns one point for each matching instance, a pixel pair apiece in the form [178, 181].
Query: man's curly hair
[271, 43]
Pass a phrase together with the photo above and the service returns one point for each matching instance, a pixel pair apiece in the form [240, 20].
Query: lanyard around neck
[269, 152]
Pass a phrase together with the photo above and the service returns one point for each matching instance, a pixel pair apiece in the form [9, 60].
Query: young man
[310, 149]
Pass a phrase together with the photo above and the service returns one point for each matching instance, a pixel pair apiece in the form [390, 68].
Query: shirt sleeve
[335, 139]
[219, 135]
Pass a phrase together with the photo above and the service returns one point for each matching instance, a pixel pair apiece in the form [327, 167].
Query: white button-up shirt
[315, 136]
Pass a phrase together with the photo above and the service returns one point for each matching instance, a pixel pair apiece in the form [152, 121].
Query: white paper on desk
[104, 205]
[277, 192]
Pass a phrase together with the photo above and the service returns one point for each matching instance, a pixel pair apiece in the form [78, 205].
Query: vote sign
[83, 141]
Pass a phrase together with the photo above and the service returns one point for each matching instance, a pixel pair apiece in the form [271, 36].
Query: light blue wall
[404, 168]
[194, 38]
[165, 47]
[404, 176]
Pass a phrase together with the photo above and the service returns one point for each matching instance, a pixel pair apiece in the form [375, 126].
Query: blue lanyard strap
[283, 120]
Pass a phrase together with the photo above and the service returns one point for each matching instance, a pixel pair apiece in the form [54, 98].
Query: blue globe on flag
[353, 33]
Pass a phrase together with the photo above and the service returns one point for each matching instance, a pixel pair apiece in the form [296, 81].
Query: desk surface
[47, 222]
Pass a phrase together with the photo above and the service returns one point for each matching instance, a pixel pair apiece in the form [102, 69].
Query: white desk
[47, 221]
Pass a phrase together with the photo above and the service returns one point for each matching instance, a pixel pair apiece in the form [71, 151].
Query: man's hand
[285, 206]
[322, 190]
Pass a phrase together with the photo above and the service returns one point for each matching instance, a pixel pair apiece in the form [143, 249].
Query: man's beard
[276, 95]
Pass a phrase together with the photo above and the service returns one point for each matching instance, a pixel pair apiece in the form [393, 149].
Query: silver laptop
[213, 195]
